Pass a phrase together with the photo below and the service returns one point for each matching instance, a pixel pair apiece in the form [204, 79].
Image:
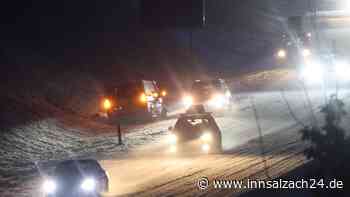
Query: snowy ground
[142, 167]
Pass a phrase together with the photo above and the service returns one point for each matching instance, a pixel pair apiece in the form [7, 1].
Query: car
[140, 97]
[76, 178]
[195, 131]
[213, 94]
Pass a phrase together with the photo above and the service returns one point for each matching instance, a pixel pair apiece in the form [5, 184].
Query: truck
[136, 98]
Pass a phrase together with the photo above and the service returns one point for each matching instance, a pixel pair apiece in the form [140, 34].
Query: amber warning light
[164, 93]
[107, 104]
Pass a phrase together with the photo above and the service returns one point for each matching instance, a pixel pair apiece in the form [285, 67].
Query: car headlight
[218, 100]
[49, 186]
[206, 137]
[205, 148]
[172, 138]
[281, 54]
[88, 185]
[306, 53]
[312, 73]
[173, 149]
[187, 101]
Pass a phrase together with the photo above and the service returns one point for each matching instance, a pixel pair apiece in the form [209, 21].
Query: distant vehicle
[141, 97]
[76, 178]
[196, 131]
[214, 94]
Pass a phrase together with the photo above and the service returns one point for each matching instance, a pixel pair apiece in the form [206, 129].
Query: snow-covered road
[143, 166]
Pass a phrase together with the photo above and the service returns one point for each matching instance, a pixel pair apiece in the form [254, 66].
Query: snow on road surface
[141, 166]
[152, 172]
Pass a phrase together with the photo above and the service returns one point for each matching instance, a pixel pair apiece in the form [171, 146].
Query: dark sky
[123, 35]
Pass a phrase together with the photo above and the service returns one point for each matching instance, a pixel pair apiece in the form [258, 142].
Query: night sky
[144, 36]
